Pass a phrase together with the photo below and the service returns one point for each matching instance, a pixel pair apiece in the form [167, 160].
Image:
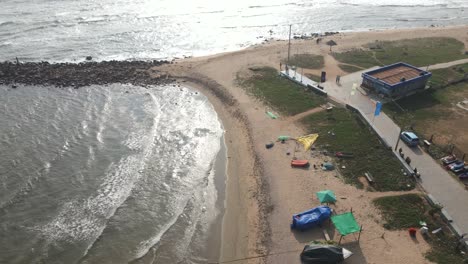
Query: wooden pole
[398, 140]
[289, 43]
[359, 237]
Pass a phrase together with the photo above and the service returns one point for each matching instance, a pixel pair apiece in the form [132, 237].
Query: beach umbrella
[331, 43]
[326, 196]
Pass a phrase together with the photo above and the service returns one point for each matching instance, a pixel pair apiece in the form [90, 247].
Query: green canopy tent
[346, 224]
[326, 196]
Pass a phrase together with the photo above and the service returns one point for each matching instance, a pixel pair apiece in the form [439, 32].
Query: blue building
[396, 80]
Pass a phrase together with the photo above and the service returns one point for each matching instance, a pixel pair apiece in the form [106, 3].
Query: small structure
[346, 224]
[326, 196]
[396, 80]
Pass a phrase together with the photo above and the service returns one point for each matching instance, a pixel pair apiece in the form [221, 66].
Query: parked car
[457, 164]
[463, 176]
[460, 169]
[409, 138]
[448, 159]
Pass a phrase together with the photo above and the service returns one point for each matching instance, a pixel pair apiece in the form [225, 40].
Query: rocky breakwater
[80, 74]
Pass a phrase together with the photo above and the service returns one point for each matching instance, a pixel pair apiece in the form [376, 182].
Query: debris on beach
[307, 141]
[327, 166]
[271, 115]
[283, 138]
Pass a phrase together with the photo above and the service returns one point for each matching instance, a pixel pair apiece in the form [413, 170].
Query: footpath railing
[304, 81]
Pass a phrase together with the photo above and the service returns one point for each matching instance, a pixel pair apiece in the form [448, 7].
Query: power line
[255, 257]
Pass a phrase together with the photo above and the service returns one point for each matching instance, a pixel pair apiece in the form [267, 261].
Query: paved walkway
[434, 179]
[445, 64]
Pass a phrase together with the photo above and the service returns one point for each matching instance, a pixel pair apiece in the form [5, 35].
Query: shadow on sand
[349, 242]
[357, 257]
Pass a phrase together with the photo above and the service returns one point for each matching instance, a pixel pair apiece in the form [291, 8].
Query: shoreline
[214, 234]
[260, 193]
[239, 236]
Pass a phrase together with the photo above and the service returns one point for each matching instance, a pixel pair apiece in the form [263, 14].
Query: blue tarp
[311, 218]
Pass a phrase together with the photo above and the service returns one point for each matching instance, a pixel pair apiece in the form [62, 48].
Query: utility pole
[398, 140]
[289, 43]
[302, 74]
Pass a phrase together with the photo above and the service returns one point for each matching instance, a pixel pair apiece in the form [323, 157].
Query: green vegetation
[443, 77]
[349, 68]
[416, 108]
[308, 61]
[280, 93]
[404, 211]
[418, 52]
[342, 130]
[424, 110]
[358, 57]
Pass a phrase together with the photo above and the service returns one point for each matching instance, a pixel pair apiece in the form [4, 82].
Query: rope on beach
[255, 257]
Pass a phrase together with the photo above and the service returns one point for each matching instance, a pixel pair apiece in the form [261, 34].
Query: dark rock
[88, 58]
[80, 74]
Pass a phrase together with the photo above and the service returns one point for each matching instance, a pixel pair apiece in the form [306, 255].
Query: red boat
[300, 163]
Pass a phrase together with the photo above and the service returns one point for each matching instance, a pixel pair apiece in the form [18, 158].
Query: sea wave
[403, 3]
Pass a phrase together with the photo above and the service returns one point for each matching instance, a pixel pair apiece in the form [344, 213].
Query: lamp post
[398, 139]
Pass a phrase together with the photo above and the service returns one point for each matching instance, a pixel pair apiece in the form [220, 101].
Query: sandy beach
[262, 190]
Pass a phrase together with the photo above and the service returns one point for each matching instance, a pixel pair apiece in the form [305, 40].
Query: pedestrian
[281, 66]
[400, 150]
[408, 160]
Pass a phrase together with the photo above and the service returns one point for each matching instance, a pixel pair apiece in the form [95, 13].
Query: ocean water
[69, 30]
[107, 174]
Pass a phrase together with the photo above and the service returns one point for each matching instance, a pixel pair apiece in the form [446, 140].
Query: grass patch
[415, 108]
[404, 211]
[351, 134]
[444, 77]
[358, 57]
[433, 112]
[349, 68]
[426, 106]
[308, 61]
[418, 52]
[278, 92]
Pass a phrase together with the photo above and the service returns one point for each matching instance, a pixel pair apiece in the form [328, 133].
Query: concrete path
[445, 64]
[299, 116]
[435, 180]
